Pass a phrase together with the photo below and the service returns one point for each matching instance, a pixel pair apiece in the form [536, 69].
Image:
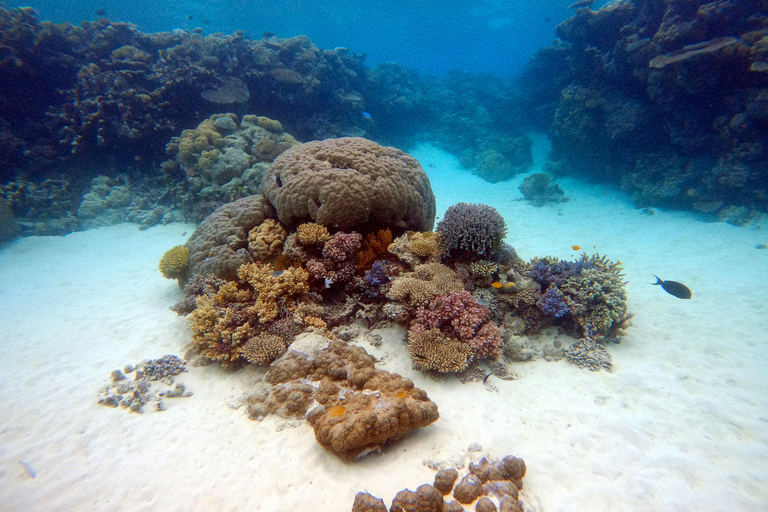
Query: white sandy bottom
[681, 424]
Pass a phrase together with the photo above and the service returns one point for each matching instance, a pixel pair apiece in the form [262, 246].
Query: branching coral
[597, 300]
[428, 281]
[375, 246]
[458, 315]
[272, 286]
[431, 351]
[472, 228]
[312, 233]
[263, 349]
[340, 261]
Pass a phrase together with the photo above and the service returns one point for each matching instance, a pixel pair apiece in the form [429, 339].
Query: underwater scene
[384, 256]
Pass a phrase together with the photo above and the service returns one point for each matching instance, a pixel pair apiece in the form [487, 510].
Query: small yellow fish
[575, 247]
[497, 285]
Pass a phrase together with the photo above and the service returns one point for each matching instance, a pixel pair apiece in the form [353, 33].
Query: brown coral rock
[468, 490]
[348, 183]
[364, 502]
[425, 499]
[265, 241]
[218, 245]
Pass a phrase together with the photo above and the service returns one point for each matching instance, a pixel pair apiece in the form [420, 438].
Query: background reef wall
[669, 99]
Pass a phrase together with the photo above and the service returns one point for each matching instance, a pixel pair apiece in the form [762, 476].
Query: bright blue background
[491, 36]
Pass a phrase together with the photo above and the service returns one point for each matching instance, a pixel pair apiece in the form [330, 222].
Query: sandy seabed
[681, 424]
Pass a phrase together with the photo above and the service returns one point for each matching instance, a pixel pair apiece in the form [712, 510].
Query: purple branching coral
[552, 303]
[377, 275]
[473, 228]
[548, 272]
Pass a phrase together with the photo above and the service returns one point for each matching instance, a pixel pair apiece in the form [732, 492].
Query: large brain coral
[350, 183]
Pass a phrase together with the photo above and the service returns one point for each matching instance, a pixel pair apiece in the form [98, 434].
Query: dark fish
[581, 3]
[100, 12]
[679, 290]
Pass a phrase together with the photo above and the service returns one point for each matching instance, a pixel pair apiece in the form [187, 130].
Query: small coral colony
[342, 233]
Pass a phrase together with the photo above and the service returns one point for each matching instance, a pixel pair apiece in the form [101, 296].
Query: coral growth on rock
[361, 409]
[331, 182]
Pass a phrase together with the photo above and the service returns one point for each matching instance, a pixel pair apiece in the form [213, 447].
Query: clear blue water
[488, 36]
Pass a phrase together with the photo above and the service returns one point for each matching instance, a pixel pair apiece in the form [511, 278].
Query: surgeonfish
[679, 290]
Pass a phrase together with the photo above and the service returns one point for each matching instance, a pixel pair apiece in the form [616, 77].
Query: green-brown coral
[174, 262]
[426, 282]
[219, 329]
[431, 350]
[311, 233]
[596, 297]
[264, 348]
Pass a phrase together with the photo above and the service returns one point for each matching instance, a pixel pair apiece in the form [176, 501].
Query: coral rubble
[131, 388]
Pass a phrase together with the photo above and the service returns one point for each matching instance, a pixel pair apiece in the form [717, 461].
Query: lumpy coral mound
[350, 183]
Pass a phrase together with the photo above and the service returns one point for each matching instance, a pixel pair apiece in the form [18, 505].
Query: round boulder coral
[350, 183]
[174, 262]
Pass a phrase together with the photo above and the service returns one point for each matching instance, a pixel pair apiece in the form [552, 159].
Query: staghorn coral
[219, 244]
[361, 409]
[263, 349]
[265, 241]
[427, 281]
[431, 351]
[350, 183]
[483, 268]
[474, 229]
[272, 286]
[174, 262]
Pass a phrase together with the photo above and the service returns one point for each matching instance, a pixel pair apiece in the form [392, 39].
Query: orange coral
[374, 248]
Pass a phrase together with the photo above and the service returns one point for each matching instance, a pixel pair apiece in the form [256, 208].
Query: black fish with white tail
[679, 290]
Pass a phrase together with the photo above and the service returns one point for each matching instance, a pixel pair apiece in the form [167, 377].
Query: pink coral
[339, 262]
[458, 315]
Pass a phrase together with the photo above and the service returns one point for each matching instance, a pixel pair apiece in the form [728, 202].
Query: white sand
[681, 423]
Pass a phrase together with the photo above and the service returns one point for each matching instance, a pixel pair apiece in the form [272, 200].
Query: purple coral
[552, 303]
[377, 275]
[474, 228]
[557, 272]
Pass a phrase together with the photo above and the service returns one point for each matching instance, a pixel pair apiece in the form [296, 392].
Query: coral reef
[589, 354]
[496, 484]
[664, 99]
[474, 229]
[340, 259]
[538, 190]
[361, 409]
[426, 282]
[331, 182]
[432, 351]
[265, 241]
[219, 245]
[131, 388]
[414, 248]
[174, 262]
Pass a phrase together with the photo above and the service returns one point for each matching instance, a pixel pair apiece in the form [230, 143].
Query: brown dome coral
[350, 183]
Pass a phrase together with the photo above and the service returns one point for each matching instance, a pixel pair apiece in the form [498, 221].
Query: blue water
[489, 36]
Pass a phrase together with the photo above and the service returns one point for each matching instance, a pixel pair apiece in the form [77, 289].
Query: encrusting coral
[174, 262]
[361, 409]
[350, 183]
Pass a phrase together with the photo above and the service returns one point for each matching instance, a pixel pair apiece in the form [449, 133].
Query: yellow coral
[174, 262]
[426, 282]
[311, 233]
[263, 349]
[271, 286]
[430, 350]
[218, 332]
[265, 241]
